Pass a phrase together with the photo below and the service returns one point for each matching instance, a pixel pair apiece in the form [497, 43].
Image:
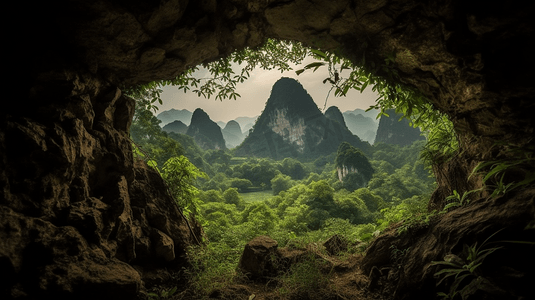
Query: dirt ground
[342, 279]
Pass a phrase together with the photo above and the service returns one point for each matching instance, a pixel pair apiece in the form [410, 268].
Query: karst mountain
[291, 125]
[207, 133]
[394, 130]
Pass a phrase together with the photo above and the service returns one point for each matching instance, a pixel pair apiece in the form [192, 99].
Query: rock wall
[74, 220]
[78, 214]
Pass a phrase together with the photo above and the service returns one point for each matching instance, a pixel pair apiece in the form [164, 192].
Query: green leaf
[319, 53]
[314, 65]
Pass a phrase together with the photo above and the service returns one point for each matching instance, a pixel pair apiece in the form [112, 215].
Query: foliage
[164, 294]
[516, 166]
[231, 196]
[304, 277]
[409, 213]
[460, 269]
[457, 200]
[280, 183]
[293, 168]
[147, 134]
[223, 79]
[442, 142]
[180, 176]
[384, 80]
[213, 266]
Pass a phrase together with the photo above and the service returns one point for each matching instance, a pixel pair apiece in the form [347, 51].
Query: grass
[257, 196]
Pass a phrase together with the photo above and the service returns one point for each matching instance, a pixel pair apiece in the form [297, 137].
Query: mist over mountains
[168, 116]
[291, 125]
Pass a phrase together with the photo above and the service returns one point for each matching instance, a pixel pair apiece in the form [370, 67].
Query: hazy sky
[256, 91]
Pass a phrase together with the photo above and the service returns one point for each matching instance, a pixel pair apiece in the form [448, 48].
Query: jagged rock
[291, 125]
[510, 267]
[163, 245]
[77, 212]
[257, 257]
[207, 133]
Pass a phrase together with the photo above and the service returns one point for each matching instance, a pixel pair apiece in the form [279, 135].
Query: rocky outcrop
[257, 257]
[207, 133]
[291, 125]
[394, 131]
[509, 269]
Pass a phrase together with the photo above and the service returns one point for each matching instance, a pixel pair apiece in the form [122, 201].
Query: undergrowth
[305, 279]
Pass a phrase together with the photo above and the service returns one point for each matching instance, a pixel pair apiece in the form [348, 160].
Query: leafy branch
[457, 199]
[164, 294]
[224, 73]
[520, 161]
[460, 269]
[344, 76]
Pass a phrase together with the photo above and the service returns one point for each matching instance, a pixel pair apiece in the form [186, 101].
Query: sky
[256, 90]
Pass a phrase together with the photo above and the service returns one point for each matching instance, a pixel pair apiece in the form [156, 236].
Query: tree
[210, 196]
[180, 176]
[280, 183]
[293, 168]
[241, 184]
[353, 167]
[231, 196]
[146, 133]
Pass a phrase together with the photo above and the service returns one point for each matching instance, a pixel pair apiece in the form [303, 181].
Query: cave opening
[69, 182]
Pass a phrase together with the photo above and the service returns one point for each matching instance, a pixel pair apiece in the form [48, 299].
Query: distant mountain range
[290, 125]
[362, 123]
[168, 116]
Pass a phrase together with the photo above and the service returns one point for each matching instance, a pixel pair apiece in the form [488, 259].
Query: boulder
[256, 260]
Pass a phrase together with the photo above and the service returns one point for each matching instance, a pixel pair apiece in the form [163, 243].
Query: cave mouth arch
[67, 177]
